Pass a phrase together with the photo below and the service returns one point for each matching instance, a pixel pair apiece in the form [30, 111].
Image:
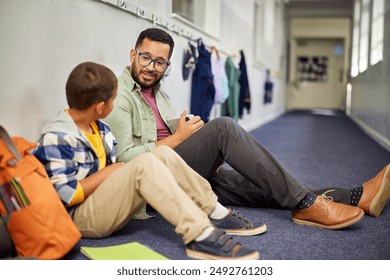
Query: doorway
[317, 77]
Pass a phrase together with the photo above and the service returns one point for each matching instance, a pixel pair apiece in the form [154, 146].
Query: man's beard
[134, 74]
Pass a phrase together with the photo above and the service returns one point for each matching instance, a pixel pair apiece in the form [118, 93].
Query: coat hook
[156, 20]
[171, 26]
[122, 4]
[141, 13]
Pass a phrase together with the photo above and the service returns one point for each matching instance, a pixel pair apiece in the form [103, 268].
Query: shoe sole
[343, 225]
[204, 256]
[246, 232]
[382, 196]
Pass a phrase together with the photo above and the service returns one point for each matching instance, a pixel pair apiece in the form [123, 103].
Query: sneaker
[236, 224]
[220, 246]
[325, 213]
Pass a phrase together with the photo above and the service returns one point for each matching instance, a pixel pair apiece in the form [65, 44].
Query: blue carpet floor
[321, 151]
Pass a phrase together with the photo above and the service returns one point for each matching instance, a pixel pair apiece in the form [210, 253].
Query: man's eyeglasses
[159, 64]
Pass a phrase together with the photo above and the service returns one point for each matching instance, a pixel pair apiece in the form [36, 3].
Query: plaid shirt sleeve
[109, 141]
[66, 161]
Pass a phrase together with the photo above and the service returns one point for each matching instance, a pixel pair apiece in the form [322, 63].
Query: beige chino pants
[160, 178]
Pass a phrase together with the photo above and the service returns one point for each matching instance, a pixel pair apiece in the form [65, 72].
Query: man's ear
[99, 107]
[133, 53]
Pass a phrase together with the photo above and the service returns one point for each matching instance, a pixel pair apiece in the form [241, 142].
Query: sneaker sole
[343, 225]
[382, 196]
[204, 256]
[247, 232]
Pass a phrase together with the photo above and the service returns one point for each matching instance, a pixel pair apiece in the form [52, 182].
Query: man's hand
[187, 128]
[184, 130]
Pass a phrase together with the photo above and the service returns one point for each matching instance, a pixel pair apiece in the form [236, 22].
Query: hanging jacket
[230, 107]
[203, 90]
[220, 80]
[245, 96]
[189, 61]
[268, 86]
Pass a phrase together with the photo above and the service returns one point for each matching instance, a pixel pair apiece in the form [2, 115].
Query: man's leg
[223, 140]
[232, 188]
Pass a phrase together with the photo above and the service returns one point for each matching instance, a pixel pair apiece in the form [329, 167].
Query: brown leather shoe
[325, 213]
[376, 193]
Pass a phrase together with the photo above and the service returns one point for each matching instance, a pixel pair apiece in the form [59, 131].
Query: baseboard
[249, 126]
[383, 141]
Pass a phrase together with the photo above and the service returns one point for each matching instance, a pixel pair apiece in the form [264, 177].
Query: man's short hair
[156, 34]
[88, 84]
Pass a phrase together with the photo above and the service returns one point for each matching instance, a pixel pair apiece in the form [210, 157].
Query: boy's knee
[140, 161]
[164, 149]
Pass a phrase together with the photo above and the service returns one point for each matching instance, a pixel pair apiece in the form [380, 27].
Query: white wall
[370, 99]
[237, 32]
[43, 40]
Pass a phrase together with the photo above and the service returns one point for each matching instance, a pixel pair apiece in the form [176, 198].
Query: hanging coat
[245, 96]
[220, 80]
[268, 86]
[189, 61]
[230, 107]
[203, 90]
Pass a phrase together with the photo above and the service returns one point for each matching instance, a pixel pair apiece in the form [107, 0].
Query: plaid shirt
[68, 156]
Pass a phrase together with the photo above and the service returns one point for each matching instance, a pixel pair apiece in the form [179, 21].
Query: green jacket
[132, 120]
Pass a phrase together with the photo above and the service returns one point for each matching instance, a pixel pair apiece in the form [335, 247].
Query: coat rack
[153, 18]
[164, 23]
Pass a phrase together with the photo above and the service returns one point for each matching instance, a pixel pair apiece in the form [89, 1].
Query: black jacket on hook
[203, 89]
[245, 96]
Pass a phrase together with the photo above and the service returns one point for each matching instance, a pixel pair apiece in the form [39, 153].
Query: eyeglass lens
[159, 64]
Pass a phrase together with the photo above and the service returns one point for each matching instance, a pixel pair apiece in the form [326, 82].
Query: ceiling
[319, 8]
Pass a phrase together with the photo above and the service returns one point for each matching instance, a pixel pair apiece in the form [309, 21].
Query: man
[77, 150]
[140, 122]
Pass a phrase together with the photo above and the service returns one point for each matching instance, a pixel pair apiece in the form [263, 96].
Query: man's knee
[222, 123]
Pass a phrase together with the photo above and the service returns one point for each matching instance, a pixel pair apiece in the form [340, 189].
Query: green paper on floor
[128, 251]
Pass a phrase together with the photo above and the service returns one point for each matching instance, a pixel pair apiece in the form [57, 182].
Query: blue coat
[203, 89]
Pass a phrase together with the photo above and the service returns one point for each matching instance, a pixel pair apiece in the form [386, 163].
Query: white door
[317, 75]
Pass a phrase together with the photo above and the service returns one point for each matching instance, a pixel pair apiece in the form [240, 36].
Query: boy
[77, 150]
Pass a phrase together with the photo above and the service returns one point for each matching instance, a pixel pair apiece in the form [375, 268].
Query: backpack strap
[9, 143]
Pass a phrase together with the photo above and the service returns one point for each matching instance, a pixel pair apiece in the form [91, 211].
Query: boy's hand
[92, 182]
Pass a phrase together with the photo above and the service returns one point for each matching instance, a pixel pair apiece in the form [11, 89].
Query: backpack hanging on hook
[268, 87]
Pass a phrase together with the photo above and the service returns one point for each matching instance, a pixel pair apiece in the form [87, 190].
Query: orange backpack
[37, 221]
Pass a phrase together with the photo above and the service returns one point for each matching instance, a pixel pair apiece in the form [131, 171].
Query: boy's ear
[99, 107]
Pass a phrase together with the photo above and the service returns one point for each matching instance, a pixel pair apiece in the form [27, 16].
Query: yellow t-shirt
[97, 144]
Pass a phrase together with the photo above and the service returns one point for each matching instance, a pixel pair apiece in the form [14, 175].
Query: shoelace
[239, 217]
[325, 199]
